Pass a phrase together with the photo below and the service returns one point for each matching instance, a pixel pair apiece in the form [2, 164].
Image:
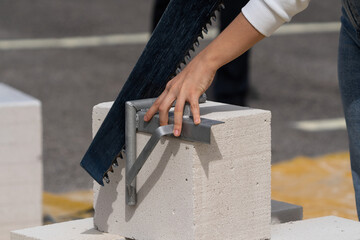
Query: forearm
[236, 39]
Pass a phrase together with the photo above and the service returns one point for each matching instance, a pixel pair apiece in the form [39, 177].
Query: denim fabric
[352, 11]
[349, 82]
[231, 83]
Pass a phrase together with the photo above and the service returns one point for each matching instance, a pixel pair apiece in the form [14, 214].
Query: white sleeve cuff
[262, 17]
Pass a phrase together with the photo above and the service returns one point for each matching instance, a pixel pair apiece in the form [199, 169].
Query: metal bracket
[134, 112]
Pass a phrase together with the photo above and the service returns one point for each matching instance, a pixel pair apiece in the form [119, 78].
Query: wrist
[209, 60]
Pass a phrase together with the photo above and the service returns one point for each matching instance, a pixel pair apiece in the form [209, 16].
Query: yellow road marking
[322, 185]
[63, 207]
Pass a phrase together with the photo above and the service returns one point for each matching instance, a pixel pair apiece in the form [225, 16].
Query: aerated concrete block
[327, 228]
[195, 191]
[20, 161]
[73, 230]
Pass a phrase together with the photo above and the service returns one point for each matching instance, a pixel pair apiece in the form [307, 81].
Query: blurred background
[292, 73]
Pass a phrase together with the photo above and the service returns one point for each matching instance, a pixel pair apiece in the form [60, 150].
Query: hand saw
[178, 30]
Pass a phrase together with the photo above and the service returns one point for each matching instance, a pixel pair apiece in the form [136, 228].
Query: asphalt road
[294, 76]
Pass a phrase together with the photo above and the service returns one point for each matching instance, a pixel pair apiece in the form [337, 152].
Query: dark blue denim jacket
[352, 9]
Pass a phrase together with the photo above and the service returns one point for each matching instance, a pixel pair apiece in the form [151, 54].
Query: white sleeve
[268, 15]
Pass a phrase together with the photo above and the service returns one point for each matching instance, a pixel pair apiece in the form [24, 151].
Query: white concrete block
[23, 175]
[20, 161]
[72, 230]
[14, 191]
[196, 191]
[329, 228]
[20, 127]
[13, 213]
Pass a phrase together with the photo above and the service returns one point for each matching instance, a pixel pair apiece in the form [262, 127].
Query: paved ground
[294, 76]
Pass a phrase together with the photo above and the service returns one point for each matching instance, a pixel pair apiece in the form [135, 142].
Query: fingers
[165, 107]
[155, 107]
[195, 109]
[182, 89]
[178, 115]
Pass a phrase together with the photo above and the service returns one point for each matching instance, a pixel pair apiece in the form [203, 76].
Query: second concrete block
[196, 191]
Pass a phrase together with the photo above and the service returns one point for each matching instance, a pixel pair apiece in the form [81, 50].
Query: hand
[187, 86]
[197, 76]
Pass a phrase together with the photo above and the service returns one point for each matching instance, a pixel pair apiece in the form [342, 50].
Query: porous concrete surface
[73, 230]
[324, 228]
[192, 190]
[20, 161]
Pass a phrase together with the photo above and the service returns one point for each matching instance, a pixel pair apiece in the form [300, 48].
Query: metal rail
[135, 111]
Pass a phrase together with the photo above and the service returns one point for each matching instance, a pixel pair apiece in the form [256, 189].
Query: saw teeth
[178, 70]
[115, 164]
[205, 30]
[221, 6]
[106, 178]
[192, 48]
[201, 35]
[213, 18]
[188, 57]
[121, 154]
[197, 43]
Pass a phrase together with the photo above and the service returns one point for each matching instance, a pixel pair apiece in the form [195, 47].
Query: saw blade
[177, 31]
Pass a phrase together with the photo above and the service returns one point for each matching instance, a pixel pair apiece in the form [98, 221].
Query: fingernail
[197, 120]
[176, 133]
[145, 118]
